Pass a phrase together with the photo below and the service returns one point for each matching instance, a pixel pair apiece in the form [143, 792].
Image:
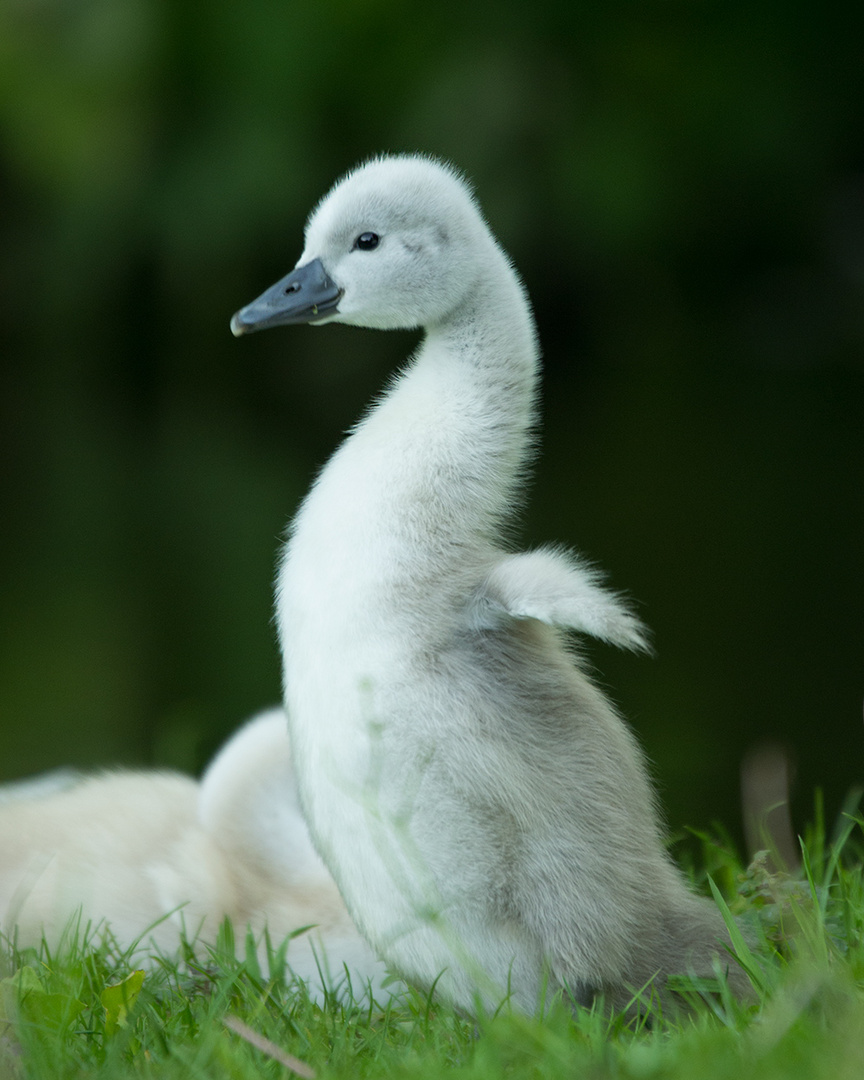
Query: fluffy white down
[486, 813]
[142, 855]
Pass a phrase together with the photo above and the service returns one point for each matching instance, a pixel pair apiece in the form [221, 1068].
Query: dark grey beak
[306, 294]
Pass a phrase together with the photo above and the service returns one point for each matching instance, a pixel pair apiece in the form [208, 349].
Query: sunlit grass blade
[742, 951]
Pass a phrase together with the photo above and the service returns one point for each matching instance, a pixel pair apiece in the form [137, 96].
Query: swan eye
[367, 241]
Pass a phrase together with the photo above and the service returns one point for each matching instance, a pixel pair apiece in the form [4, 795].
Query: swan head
[396, 244]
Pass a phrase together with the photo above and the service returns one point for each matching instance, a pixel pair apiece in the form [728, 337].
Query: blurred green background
[682, 187]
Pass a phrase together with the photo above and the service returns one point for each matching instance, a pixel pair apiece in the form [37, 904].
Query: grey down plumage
[487, 815]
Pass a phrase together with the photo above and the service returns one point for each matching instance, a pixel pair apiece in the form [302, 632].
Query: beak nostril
[305, 295]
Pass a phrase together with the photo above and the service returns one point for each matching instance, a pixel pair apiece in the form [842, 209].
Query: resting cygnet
[142, 855]
[487, 815]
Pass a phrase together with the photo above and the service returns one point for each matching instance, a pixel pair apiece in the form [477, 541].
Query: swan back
[137, 856]
[248, 803]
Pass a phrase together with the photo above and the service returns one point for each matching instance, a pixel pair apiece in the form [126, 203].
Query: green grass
[85, 1013]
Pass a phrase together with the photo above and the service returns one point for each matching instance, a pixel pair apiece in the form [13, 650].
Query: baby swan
[141, 856]
[485, 812]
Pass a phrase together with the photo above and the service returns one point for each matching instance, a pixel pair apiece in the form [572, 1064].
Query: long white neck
[400, 521]
[447, 444]
[484, 362]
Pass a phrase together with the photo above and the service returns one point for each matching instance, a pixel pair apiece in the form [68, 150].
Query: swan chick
[143, 856]
[486, 813]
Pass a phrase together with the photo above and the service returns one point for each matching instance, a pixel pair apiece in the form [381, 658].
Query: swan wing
[556, 587]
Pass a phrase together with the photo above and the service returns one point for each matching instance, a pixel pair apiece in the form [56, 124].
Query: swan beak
[305, 295]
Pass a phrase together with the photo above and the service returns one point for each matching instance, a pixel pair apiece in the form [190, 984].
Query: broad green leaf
[13, 989]
[23, 997]
[118, 999]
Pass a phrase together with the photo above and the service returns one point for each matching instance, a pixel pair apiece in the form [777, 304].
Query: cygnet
[485, 811]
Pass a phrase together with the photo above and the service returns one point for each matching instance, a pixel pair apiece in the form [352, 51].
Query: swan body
[485, 812]
[144, 855]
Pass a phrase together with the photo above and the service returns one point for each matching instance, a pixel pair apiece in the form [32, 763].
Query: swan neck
[492, 328]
